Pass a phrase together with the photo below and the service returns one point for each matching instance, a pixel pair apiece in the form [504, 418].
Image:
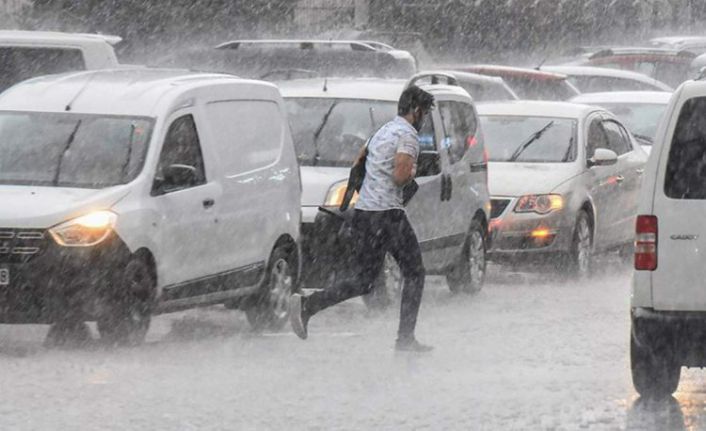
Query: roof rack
[435, 78]
[354, 45]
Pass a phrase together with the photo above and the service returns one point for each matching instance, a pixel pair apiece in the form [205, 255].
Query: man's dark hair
[412, 98]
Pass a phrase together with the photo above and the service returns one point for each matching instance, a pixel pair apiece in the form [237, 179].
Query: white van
[668, 294]
[130, 192]
[28, 54]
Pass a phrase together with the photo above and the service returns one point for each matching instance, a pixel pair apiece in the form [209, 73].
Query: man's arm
[404, 169]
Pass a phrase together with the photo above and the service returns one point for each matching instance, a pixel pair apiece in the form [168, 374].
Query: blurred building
[321, 15]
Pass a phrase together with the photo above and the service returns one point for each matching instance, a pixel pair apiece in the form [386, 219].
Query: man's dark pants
[377, 233]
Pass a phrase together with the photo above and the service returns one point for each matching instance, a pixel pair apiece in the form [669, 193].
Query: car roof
[602, 71]
[134, 92]
[344, 88]
[464, 76]
[640, 50]
[510, 71]
[690, 89]
[533, 108]
[52, 37]
[678, 40]
[655, 97]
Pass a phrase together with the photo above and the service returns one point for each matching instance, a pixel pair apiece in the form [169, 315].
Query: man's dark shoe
[411, 345]
[297, 316]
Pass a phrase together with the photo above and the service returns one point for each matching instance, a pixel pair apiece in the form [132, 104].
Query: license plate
[4, 277]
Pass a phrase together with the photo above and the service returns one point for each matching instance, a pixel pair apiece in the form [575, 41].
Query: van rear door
[679, 282]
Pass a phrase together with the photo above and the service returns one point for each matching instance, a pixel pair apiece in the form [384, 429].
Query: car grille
[21, 245]
[497, 207]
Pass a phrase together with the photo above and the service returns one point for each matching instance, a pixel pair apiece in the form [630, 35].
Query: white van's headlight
[334, 198]
[85, 231]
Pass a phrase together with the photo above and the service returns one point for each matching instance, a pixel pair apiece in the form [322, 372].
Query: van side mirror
[175, 177]
[428, 164]
[603, 157]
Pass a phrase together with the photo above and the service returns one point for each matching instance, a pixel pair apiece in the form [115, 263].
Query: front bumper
[680, 332]
[58, 282]
[517, 237]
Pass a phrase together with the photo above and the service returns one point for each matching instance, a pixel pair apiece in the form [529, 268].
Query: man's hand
[404, 169]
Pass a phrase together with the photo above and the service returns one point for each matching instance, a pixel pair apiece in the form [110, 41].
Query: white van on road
[668, 304]
[129, 192]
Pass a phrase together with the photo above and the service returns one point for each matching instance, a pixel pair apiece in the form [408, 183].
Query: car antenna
[79, 92]
[541, 63]
[325, 85]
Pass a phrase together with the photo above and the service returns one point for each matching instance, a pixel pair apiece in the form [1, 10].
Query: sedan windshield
[529, 139]
[331, 132]
[71, 150]
[641, 119]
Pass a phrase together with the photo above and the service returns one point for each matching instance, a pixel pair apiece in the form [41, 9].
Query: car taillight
[646, 243]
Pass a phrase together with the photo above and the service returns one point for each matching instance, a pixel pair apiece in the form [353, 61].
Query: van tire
[580, 258]
[468, 274]
[387, 287]
[270, 308]
[130, 305]
[655, 371]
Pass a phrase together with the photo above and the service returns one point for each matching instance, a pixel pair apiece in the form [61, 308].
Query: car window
[460, 126]
[641, 118]
[182, 147]
[427, 135]
[596, 138]
[616, 138]
[685, 176]
[20, 63]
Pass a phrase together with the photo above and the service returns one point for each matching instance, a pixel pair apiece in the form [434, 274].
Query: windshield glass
[640, 118]
[331, 132]
[71, 150]
[505, 135]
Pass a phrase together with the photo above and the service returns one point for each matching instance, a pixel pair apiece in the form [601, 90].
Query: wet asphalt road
[526, 353]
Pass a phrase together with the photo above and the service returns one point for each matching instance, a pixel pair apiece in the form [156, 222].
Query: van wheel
[387, 287]
[468, 274]
[271, 308]
[580, 259]
[655, 372]
[128, 318]
[68, 334]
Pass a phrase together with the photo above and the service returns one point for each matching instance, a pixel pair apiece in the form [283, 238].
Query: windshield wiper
[320, 129]
[69, 141]
[532, 139]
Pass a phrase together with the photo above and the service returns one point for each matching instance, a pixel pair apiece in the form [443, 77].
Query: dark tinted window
[427, 135]
[182, 147]
[18, 64]
[596, 138]
[686, 167]
[460, 124]
[616, 138]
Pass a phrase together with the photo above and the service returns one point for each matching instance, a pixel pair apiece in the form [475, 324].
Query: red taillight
[646, 243]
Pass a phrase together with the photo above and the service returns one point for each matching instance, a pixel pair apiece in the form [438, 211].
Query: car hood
[317, 181]
[43, 207]
[517, 179]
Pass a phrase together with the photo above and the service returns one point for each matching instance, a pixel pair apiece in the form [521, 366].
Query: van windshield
[71, 150]
[331, 132]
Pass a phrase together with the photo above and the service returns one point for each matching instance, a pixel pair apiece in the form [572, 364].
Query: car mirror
[175, 177]
[428, 164]
[603, 157]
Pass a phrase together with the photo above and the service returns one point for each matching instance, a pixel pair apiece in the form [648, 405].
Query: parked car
[482, 88]
[564, 180]
[28, 54]
[332, 119]
[639, 111]
[530, 84]
[668, 301]
[670, 66]
[602, 79]
[142, 193]
[276, 60]
[412, 42]
[696, 44]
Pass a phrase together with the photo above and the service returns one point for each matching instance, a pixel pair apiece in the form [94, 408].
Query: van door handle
[620, 179]
[640, 171]
[208, 203]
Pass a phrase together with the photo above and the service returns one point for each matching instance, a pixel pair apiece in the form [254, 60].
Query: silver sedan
[564, 180]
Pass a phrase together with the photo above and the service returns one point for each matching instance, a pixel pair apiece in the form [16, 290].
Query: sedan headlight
[334, 197]
[540, 204]
[85, 231]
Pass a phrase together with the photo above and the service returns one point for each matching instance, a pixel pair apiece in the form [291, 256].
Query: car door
[426, 211]
[603, 184]
[624, 201]
[631, 161]
[187, 207]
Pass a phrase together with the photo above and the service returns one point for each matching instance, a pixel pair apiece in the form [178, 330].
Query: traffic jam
[169, 231]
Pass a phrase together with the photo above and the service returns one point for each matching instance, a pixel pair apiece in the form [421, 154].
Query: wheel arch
[146, 255]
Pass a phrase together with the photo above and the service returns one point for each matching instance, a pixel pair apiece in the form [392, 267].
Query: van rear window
[686, 167]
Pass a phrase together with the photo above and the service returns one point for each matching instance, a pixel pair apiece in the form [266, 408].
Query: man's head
[414, 104]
